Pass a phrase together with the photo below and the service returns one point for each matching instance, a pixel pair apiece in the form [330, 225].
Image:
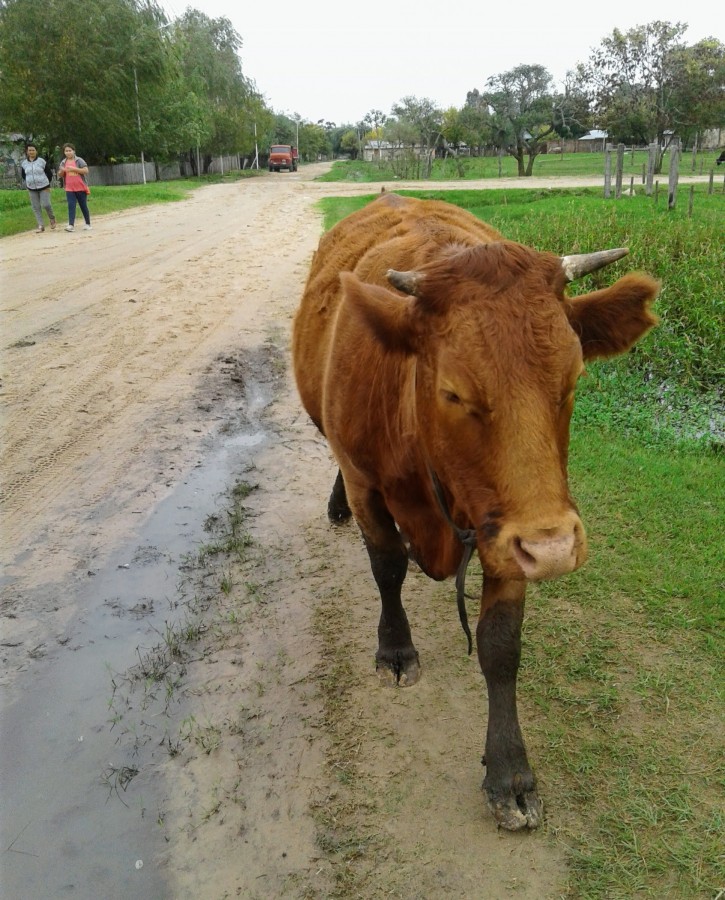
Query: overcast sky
[337, 60]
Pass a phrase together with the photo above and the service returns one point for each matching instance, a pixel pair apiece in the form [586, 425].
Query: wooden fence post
[674, 174]
[620, 171]
[607, 171]
[651, 163]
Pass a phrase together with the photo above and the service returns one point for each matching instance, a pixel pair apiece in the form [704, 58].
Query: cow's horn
[579, 264]
[407, 282]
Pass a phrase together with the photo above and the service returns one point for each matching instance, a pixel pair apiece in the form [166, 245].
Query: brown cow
[446, 403]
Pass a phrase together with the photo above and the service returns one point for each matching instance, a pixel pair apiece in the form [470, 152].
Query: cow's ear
[610, 321]
[389, 316]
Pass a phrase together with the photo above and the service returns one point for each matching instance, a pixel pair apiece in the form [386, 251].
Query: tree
[475, 121]
[424, 120]
[698, 82]
[313, 141]
[571, 112]
[350, 143]
[68, 71]
[524, 115]
[374, 122]
[211, 69]
[645, 85]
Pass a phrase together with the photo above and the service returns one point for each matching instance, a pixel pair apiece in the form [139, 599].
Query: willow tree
[70, 70]
[208, 52]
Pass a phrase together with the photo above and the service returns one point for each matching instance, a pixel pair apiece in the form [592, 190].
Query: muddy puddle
[81, 806]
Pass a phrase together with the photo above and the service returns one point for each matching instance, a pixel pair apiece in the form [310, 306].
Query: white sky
[337, 60]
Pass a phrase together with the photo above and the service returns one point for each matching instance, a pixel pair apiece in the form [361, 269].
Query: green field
[622, 675]
[549, 165]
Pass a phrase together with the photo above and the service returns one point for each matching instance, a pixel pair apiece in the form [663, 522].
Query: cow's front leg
[509, 783]
[396, 658]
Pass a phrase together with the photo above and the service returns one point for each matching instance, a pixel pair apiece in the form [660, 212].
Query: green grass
[686, 352]
[623, 663]
[622, 679]
[551, 165]
[16, 215]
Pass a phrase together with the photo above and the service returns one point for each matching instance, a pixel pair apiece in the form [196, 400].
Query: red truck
[283, 156]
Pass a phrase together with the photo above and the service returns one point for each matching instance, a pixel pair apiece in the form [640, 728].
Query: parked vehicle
[283, 156]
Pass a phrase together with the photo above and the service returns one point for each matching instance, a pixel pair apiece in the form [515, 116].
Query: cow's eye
[451, 397]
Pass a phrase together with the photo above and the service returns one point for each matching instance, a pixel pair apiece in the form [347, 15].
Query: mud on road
[146, 369]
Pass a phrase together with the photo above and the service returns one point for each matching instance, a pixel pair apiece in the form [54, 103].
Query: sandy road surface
[109, 340]
[116, 349]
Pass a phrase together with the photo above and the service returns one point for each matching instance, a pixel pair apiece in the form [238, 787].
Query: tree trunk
[520, 164]
[191, 158]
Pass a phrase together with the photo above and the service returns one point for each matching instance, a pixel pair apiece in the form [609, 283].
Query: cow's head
[498, 350]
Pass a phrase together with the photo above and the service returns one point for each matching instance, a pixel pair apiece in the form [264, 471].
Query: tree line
[120, 80]
[642, 86]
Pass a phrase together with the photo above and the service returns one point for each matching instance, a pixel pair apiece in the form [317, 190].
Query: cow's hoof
[399, 672]
[516, 811]
[338, 513]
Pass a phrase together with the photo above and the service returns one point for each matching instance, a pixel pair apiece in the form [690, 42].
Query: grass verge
[623, 663]
[680, 366]
[16, 215]
[622, 681]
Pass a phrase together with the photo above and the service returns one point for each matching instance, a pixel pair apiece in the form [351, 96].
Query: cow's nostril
[523, 554]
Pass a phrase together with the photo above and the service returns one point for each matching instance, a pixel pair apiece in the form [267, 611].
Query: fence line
[118, 174]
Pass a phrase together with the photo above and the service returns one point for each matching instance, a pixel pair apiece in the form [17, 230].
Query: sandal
[52, 226]
[39, 229]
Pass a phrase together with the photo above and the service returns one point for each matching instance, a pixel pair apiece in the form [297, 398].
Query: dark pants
[80, 197]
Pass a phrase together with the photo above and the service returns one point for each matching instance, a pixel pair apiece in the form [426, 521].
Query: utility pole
[138, 122]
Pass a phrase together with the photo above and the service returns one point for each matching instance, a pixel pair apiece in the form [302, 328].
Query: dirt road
[288, 770]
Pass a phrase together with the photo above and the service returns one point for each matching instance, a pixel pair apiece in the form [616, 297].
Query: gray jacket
[78, 163]
[34, 174]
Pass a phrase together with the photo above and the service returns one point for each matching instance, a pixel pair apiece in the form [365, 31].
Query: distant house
[374, 150]
[594, 140]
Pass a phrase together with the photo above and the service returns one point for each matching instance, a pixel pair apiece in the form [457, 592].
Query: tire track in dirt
[125, 353]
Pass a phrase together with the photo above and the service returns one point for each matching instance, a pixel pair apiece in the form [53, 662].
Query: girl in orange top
[72, 172]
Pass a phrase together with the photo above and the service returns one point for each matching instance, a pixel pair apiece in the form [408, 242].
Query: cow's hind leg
[338, 509]
[396, 658]
[510, 784]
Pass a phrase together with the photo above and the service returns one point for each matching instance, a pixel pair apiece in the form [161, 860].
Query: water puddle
[69, 828]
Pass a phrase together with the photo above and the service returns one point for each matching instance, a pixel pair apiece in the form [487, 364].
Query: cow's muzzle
[543, 553]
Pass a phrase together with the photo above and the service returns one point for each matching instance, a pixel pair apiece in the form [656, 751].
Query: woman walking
[72, 173]
[36, 179]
